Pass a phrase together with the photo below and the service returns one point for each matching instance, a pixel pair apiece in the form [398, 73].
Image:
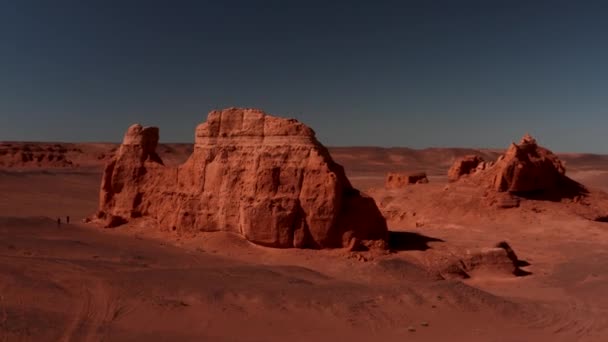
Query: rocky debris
[528, 167]
[358, 257]
[498, 260]
[264, 177]
[506, 201]
[16, 155]
[396, 180]
[467, 165]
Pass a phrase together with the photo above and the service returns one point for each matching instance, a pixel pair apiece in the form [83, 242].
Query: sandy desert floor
[77, 282]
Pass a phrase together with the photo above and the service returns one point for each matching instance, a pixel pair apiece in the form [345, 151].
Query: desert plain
[440, 276]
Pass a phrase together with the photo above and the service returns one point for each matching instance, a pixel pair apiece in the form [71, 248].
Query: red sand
[78, 282]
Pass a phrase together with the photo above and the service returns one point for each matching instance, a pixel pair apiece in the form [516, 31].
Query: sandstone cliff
[264, 177]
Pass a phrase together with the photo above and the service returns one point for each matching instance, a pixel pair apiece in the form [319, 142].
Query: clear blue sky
[387, 73]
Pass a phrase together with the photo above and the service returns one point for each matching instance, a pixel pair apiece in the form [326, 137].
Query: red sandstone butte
[263, 177]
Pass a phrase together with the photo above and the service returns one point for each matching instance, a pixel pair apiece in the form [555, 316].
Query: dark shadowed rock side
[264, 177]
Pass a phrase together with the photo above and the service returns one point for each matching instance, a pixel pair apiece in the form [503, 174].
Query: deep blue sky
[388, 73]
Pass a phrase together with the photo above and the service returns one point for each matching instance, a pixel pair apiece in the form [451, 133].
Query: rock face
[465, 166]
[260, 176]
[396, 180]
[528, 167]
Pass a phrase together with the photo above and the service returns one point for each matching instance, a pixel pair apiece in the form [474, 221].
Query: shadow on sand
[409, 241]
[517, 262]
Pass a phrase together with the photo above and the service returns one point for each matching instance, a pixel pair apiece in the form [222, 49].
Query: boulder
[396, 180]
[263, 177]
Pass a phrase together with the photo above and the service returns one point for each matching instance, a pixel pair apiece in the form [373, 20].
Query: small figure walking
[58, 221]
[67, 219]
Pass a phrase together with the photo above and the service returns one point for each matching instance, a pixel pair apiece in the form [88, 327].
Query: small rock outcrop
[263, 177]
[498, 260]
[465, 166]
[396, 180]
[528, 167]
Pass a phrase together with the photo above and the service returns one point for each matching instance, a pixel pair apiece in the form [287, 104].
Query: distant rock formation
[528, 167]
[395, 180]
[39, 155]
[264, 177]
[467, 165]
[525, 169]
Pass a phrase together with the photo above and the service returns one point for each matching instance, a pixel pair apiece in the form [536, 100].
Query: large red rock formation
[528, 167]
[260, 176]
[525, 171]
[525, 168]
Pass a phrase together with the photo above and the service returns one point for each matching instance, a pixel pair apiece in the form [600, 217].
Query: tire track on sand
[93, 315]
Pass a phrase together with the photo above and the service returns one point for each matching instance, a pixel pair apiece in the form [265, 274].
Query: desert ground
[80, 282]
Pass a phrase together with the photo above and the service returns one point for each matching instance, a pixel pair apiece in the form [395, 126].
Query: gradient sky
[387, 73]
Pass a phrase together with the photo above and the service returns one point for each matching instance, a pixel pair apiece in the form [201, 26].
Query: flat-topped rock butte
[264, 177]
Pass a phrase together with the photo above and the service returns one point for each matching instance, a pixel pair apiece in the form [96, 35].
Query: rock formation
[465, 166]
[396, 180]
[264, 177]
[24, 155]
[498, 260]
[528, 167]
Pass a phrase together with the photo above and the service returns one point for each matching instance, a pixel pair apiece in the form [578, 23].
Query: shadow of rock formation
[409, 241]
